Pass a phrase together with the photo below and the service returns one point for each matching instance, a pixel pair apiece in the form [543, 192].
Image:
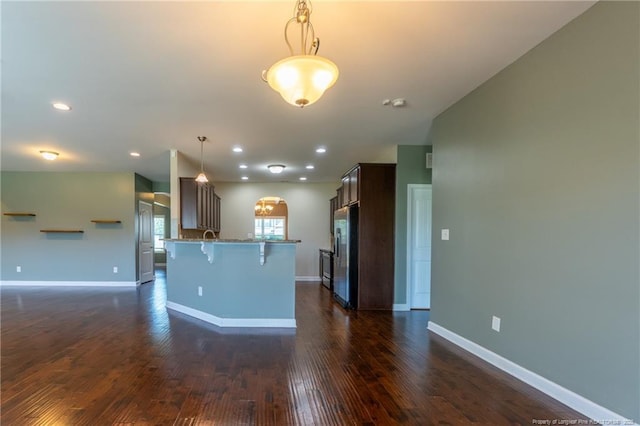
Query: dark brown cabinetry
[199, 206]
[368, 190]
[349, 192]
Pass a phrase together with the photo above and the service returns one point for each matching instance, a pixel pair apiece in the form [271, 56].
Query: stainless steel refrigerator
[345, 257]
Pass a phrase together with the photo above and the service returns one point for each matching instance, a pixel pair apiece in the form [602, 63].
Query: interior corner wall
[308, 207]
[410, 169]
[68, 201]
[536, 175]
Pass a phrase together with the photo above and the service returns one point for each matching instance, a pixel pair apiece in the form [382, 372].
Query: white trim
[232, 322]
[308, 278]
[554, 390]
[69, 283]
[401, 307]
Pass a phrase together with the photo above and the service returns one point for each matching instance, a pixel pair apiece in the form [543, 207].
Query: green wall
[70, 201]
[410, 168]
[234, 285]
[536, 175]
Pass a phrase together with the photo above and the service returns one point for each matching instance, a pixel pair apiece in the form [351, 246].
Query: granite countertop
[228, 240]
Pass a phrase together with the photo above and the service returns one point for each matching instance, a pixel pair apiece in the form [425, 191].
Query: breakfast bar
[233, 283]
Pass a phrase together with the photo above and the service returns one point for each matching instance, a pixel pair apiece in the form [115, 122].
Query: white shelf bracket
[170, 247]
[208, 250]
[262, 252]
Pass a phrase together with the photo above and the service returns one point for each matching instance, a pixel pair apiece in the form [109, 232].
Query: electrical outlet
[18, 268]
[444, 235]
[495, 323]
[199, 290]
[115, 269]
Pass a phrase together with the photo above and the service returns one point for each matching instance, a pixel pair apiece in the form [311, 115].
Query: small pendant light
[202, 178]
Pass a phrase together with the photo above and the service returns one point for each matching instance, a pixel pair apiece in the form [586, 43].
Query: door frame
[139, 246]
[408, 284]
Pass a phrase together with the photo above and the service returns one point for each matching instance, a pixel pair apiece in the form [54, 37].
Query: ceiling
[152, 76]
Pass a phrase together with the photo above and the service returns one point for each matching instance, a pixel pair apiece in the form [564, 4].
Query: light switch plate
[444, 235]
[495, 323]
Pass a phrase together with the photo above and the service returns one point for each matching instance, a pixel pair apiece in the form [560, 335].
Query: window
[271, 217]
[270, 228]
[158, 233]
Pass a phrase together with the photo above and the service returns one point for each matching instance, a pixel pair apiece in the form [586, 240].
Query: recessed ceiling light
[134, 154]
[303, 178]
[237, 149]
[49, 155]
[309, 167]
[60, 106]
[321, 150]
[275, 168]
[245, 178]
[243, 166]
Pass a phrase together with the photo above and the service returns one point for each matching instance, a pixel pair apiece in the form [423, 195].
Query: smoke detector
[396, 103]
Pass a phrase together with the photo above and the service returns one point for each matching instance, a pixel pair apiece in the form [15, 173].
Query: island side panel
[235, 285]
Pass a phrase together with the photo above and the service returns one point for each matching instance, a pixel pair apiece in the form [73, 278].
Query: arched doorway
[271, 219]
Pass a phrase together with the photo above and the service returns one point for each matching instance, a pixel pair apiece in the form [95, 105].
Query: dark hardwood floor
[96, 356]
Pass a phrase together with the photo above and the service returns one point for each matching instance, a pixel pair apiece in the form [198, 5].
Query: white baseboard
[401, 307]
[232, 322]
[573, 400]
[69, 283]
[308, 278]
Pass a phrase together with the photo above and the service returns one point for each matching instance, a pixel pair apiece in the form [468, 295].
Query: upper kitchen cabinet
[199, 206]
[349, 192]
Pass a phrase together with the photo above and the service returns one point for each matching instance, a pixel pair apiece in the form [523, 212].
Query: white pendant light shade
[202, 178]
[301, 80]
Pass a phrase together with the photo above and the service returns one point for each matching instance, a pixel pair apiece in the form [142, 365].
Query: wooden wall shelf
[106, 221]
[19, 214]
[63, 231]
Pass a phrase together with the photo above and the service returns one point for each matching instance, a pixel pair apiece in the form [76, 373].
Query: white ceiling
[152, 76]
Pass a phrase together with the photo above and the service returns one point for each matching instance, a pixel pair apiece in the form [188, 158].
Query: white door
[145, 242]
[419, 246]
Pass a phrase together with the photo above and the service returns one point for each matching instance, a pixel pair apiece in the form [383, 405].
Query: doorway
[419, 207]
[145, 242]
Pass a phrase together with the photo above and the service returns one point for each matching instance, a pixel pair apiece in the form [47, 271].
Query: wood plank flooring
[96, 356]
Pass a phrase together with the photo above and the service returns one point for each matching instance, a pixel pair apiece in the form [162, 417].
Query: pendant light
[303, 78]
[202, 178]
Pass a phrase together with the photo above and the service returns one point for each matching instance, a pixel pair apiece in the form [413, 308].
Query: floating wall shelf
[63, 231]
[106, 221]
[19, 214]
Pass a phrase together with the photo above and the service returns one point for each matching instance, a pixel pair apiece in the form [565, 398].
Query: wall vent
[429, 160]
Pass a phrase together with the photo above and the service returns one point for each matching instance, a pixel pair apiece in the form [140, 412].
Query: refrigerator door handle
[336, 243]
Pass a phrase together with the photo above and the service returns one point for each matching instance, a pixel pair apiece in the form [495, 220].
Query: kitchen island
[233, 283]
